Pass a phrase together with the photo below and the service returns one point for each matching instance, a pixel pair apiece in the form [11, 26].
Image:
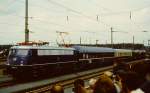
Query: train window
[87, 56]
[22, 52]
[83, 55]
[12, 52]
[55, 52]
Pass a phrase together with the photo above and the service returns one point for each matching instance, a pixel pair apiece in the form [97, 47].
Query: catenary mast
[26, 23]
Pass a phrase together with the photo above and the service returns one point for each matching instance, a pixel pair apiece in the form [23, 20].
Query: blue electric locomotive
[36, 61]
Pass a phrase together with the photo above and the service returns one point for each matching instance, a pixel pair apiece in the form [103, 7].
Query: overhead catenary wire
[71, 10]
[52, 23]
[15, 24]
[121, 12]
[97, 18]
[131, 18]
[82, 14]
[100, 6]
[78, 12]
[9, 5]
[46, 21]
[75, 11]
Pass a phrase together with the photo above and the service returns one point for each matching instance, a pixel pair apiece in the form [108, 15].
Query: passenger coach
[86, 52]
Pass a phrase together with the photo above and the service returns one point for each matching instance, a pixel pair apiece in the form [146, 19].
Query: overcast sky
[89, 19]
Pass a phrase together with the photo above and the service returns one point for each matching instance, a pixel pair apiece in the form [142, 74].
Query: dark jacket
[146, 87]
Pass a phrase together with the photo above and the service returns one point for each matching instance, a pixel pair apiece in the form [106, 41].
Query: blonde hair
[57, 89]
[104, 85]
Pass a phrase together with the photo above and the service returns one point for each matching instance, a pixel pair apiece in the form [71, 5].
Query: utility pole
[133, 43]
[148, 42]
[26, 23]
[111, 36]
[96, 42]
[80, 41]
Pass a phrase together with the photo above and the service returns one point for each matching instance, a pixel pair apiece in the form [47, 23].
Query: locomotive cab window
[20, 52]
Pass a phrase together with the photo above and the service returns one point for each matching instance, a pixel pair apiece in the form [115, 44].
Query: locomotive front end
[17, 57]
[17, 60]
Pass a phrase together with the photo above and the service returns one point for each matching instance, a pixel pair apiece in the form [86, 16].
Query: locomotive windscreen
[18, 56]
[21, 52]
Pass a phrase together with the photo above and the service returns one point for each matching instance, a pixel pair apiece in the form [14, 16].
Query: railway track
[6, 81]
[2, 59]
[44, 86]
[6, 84]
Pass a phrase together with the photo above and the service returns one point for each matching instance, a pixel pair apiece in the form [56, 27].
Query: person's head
[140, 68]
[108, 73]
[104, 85]
[115, 63]
[131, 79]
[78, 84]
[148, 77]
[148, 72]
[92, 82]
[57, 89]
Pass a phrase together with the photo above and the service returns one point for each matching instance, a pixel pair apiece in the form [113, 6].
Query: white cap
[92, 82]
[108, 73]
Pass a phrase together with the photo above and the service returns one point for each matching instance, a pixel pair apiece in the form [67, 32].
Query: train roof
[123, 50]
[90, 49]
[139, 50]
[42, 47]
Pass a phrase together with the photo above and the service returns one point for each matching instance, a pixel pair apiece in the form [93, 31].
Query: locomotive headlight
[7, 64]
[14, 59]
[21, 63]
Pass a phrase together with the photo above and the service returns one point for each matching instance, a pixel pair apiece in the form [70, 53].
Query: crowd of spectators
[124, 78]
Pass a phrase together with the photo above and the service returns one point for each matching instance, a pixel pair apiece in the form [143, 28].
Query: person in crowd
[57, 89]
[144, 88]
[79, 86]
[109, 74]
[92, 82]
[130, 80]
[119, 65]
[104, 85]
[140, 68]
